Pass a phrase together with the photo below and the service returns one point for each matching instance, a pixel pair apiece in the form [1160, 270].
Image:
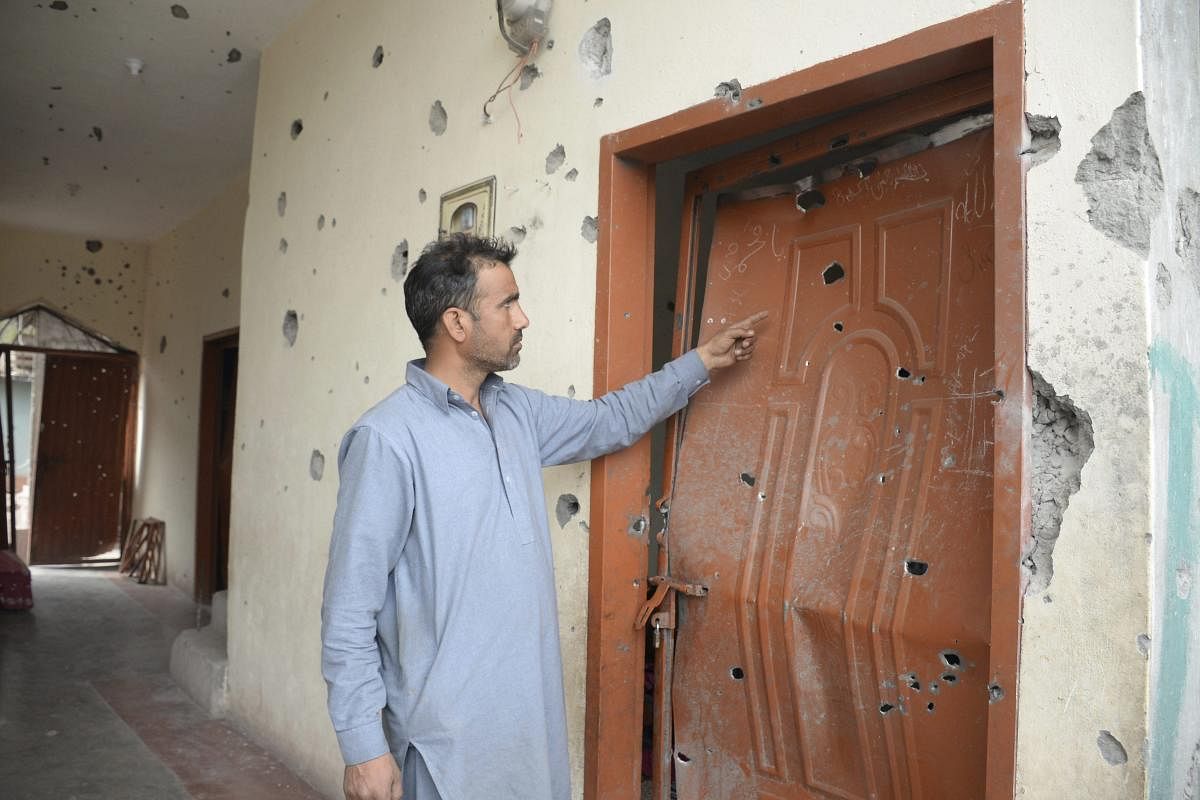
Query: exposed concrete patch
[437, 118]
[555, 159]
[291, 327]
[730, 89]
[421, 195]
[566, 508]
[1143, 645]
[233, 56]
[179, 12]
[316, 465]
[377, 57]
[1191, 789]
[297, 128]
[1043, 138]
[599, 101]
[1187, 236]
[281, 203]
[1062, 443]
[529, 74]
[1162, 287]
[595, 49]
[590, 229]
[93, 245]
[572, 174]
[400, 260]
[1111, 749]
[1122, 178]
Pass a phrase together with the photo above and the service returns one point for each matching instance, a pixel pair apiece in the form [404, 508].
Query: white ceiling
[171, 138]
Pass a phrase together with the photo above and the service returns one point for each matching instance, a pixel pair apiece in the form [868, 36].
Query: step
[199, 661]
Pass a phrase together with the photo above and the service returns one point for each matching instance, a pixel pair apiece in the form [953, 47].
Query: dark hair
[444, 277]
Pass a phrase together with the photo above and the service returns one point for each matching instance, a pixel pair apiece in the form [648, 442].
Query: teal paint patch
[1174, 374]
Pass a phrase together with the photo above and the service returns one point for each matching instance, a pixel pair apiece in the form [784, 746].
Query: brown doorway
[218, 400]
[985, 43]
[81, 498]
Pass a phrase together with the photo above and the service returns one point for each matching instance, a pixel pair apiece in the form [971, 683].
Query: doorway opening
[70, 396]
[218, 401]
[817, 125]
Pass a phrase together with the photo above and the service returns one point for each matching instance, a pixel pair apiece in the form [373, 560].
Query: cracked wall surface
[1061, 444]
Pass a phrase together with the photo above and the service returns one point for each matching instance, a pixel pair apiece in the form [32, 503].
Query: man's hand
[377, 779]
[735, 343]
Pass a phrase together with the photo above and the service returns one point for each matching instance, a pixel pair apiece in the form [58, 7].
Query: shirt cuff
[692, 373]
[362, 743]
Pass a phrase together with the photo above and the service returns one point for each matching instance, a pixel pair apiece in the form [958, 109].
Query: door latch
[665, 585]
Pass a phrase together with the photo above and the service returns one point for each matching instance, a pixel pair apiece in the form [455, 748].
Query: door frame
[214, 347]
[992, 37]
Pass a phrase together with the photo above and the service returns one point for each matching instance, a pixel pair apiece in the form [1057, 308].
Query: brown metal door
[80, 459]
[835, 495]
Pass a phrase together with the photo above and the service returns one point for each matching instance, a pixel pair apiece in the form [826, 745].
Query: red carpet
[16, 592]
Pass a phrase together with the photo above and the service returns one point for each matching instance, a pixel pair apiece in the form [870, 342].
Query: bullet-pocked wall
[369, 111]
[93, 280]
[193, 290]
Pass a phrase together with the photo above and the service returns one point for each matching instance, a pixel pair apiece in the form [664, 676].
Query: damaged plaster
[1187, 234]
[555, 159]
[1062, 443]
[595, 49]
[1044, 141]
[730, 89]
[590, 229]
[291, 327]
[316, 465]
[1111, 749]
[400, 260]
[1122, 178]
[437, 118]
[566, 508]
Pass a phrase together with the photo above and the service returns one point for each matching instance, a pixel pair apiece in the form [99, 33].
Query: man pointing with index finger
[440, 623]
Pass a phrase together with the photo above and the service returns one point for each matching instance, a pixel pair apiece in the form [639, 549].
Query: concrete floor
[89, 711]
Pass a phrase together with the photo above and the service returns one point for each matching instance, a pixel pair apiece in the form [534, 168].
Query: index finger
[750, 321]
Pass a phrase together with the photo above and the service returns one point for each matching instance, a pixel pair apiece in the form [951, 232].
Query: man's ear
[455, 323]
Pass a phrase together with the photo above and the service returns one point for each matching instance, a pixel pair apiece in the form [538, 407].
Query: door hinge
[665, 585]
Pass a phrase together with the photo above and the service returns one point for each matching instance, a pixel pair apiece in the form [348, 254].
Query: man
[440, 623]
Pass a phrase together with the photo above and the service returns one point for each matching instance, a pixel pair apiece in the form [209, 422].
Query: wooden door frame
[993, 37]
[214, 346]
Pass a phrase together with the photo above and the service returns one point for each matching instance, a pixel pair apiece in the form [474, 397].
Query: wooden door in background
[79, 488]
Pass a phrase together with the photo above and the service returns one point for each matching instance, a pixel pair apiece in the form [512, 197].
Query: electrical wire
[509, 81]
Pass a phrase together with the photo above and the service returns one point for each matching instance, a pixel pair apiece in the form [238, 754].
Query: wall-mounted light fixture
[523, 22]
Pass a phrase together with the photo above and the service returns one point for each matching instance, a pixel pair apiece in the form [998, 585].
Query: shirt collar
[435, 390]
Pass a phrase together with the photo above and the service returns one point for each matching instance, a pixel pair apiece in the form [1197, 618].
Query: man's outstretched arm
[573, 430]
[374, 513]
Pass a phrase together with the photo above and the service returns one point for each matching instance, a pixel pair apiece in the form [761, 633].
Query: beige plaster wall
[365, 152]
[101, 290]
[193, 281]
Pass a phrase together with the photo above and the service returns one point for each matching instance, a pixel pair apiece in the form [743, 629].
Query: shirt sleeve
[370, 526]
[579, 430]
